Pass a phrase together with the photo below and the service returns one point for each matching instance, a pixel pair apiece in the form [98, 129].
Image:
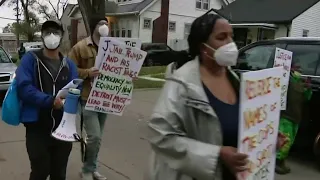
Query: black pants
[48, 156]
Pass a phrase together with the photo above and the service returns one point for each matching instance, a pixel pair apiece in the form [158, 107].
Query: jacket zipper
[53, 86]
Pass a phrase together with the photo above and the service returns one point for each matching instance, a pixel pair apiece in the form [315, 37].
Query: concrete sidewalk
[16, 164]
[124, 149]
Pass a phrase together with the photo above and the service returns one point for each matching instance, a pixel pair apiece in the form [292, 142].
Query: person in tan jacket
[84, 54]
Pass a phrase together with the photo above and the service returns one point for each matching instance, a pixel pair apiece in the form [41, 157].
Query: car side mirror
[14, 60]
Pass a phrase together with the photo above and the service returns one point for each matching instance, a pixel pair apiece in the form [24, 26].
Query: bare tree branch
[2, 2]
[64, 4]
[58, 8]
[44, 10]
[52, 6]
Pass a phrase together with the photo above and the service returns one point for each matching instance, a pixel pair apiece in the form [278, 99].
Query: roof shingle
[113, 8]
[265, 11]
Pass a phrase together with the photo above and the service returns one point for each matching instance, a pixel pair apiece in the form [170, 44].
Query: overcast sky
[8, 12]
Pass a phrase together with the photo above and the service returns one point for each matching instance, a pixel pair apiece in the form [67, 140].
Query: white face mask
[104, 31]
[226, 55]
[52, 41]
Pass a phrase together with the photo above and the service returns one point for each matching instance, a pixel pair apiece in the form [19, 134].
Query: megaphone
[66, 130]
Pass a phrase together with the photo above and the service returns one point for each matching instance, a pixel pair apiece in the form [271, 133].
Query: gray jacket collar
[189, 76]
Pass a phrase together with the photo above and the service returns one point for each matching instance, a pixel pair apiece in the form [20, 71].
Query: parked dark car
[158, 54]
[306, 55]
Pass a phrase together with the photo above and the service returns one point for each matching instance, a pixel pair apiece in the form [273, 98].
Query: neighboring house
[136, 18]
[140, 18]
[9, 42]
[66, 21]
[255, 20]
[72, 12]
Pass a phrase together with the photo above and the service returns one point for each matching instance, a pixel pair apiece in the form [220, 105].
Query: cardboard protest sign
[283, 58]
[105, 42]
[259, 120]
[112, 89]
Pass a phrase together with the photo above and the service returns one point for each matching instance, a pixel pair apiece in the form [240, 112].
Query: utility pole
[18, 21]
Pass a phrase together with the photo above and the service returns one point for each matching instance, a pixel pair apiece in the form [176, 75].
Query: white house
[255, 20]
[135, 18]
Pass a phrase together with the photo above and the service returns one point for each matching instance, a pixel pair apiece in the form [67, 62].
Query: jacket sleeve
[74, 55]
[73, 72]
[170, 140]
[27, 91]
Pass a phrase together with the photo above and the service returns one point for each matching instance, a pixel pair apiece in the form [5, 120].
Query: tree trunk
[83, 5]
[89, 8]
[25, 5]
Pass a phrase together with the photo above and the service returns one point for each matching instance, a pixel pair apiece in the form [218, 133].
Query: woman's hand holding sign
[234, 160]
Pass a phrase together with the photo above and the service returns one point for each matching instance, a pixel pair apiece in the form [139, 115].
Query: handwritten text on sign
[283, 58]
[259, 120]
[106, 41]
[112, 89]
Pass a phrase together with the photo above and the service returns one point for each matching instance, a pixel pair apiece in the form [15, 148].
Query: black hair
[200, 31]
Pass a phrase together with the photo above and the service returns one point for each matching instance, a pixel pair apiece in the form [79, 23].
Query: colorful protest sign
[104, 44]
[283, 58]
[112, 89]
[258, 121]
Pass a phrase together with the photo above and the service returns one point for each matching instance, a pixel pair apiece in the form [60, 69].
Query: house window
[202, 4]
[129, 29]
[123, 32]
[123, 28]
[305, 33]
[115, 29]
[187, 28]
[172, 26]
[129, 35]
[147, 24]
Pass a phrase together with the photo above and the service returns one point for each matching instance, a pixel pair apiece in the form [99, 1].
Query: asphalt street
[124, 152]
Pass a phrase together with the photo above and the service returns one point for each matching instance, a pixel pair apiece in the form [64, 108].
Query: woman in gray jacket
[195, 122]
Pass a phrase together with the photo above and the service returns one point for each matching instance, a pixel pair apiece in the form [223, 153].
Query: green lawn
[143, 83]
[160, 76]
[152, 70]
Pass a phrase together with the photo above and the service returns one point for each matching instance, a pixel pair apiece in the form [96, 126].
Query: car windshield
[4, 58]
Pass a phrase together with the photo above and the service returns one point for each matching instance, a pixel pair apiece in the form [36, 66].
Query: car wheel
[316, 150]
[150, 62]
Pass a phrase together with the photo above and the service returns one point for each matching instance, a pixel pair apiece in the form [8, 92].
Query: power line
[13, 19]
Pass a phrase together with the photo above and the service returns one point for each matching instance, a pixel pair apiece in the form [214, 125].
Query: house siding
[145, 35]
[180, 11]
[82, 32]
[281, 31]
[309, 20]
